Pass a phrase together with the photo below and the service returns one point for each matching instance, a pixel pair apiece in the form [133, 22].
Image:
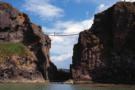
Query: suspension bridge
[61, 35]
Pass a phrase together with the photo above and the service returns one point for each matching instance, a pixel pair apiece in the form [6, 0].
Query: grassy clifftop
[9, 49]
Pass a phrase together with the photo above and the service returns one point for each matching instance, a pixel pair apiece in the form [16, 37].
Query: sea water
[61, 87]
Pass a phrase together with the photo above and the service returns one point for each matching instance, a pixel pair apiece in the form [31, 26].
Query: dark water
[60, 87]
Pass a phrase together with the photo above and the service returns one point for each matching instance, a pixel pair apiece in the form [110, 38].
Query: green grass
[9, 49]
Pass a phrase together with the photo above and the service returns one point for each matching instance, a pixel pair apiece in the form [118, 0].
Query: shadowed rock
[106, 52]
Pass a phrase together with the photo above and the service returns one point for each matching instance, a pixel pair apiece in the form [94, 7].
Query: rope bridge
[56, 34]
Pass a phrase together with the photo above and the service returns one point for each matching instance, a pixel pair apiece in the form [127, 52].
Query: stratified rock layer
[16, 27]
[106, 52]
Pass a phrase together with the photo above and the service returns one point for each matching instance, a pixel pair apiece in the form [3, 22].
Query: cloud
[84, 1]
[93, 1]
[128, 0]
[64, 64]
[61, 57]
[43, 8]
[101, 7]
[62, 47]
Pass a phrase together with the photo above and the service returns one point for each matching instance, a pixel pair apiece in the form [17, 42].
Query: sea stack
[106, 51]
[24, 48]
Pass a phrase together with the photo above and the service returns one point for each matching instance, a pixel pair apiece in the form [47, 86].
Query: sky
[62, 17]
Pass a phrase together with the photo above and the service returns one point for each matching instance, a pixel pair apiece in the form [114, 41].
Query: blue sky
[63, 17]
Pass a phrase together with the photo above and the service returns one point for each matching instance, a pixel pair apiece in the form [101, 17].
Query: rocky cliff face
[16, 27]
[106, 52]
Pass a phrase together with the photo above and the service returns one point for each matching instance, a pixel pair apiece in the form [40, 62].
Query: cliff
[106, 52]
[24, 48]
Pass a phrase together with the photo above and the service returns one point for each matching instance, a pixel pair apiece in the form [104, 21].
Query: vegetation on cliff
[8, 49]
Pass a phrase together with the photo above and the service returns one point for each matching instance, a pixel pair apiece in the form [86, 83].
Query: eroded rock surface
[106, 52]
[16, 27]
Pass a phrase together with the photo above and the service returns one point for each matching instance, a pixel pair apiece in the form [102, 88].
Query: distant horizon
[64, 17]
